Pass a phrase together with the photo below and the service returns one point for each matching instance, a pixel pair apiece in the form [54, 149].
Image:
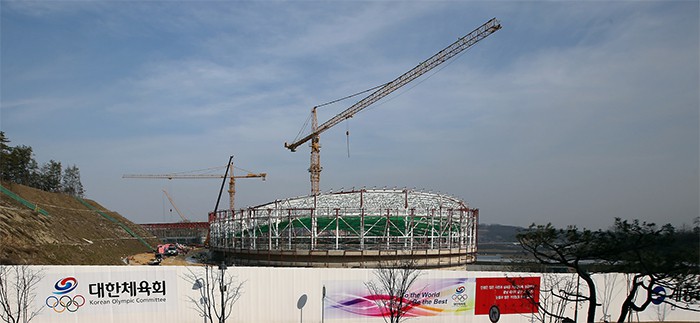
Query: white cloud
[573, 111]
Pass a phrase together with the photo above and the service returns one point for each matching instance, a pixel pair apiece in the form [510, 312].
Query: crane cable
[427, 77]
[347, 135]
[306, 123]
[352, 95]
[206, 171]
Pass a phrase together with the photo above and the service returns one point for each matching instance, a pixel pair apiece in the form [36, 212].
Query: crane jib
[442, 56]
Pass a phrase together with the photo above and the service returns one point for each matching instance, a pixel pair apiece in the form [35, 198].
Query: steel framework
[182, 232]
[373, 222]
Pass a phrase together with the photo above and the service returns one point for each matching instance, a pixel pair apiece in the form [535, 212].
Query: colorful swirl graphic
[65, 285]
[369, 305]
[429, 298]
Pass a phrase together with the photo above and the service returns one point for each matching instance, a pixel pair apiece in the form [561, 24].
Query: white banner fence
[134, 294]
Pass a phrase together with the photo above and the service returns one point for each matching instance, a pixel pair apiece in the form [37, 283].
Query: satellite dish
[302, 301]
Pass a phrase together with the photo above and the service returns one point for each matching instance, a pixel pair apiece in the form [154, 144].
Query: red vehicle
[168, 249]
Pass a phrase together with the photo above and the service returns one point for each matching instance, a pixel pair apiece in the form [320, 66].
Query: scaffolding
[368, 223]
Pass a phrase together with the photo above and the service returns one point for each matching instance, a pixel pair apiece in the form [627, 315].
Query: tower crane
[231, 177]
[447, 53]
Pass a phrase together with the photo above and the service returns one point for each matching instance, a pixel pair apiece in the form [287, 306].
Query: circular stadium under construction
[357, 228]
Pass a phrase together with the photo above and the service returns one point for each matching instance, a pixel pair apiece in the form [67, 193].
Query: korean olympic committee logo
[65, 285]
[60, 301]
[459, 296]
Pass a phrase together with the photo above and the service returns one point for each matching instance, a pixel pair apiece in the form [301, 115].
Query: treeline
[498, 233]
[17, 165]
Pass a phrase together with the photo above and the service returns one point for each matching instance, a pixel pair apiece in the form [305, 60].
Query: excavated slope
[72, 233]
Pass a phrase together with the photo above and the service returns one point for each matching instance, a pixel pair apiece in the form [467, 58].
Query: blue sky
[574, 113]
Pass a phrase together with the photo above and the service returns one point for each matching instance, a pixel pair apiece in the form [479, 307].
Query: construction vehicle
[442, 56]
[182, 175]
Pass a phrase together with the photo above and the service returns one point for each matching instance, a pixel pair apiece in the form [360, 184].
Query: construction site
[186, 231]
[355, 228]
[359, 228]
[560, 102]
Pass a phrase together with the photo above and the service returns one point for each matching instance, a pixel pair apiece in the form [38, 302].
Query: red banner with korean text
[509, 295]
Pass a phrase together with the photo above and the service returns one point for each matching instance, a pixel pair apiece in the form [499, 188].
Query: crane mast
[442, 56]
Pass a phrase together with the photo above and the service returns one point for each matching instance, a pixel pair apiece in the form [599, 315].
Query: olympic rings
[459, 295]
[59, 305]
[461, 298]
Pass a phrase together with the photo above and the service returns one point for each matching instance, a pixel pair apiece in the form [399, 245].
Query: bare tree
[17, 283]
[556, 293]
[392, 284]
[609, 291]
[217, 293]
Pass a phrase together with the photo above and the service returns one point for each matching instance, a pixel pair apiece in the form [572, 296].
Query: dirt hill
[75, 232]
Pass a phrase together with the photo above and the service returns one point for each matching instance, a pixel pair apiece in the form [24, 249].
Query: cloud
[572, 111]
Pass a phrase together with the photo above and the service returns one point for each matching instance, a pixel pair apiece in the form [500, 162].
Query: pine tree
[51, 176]
[71, 181]
[19, 166]
[4, 154]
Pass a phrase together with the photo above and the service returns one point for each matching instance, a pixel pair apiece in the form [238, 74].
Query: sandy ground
[179, 260]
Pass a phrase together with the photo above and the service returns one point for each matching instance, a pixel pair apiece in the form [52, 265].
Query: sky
[574, 113]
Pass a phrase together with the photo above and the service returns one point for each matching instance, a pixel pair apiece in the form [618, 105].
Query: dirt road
[179, 260]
